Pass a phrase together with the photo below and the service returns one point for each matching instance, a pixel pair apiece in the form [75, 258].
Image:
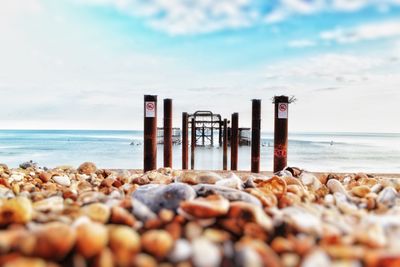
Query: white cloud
[301, 43]
[370, 31]
[182, 17]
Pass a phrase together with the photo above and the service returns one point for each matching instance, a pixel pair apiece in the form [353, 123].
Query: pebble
[124, 243]
[232, 181]
[15, 210]
[98, 212]
[141, 211]
[209, 207]
[92, 238]
[159, 196]
[228, 193]
[360, 191]
[205, 253]
[54, 240]
[157, 242]
[87, 168]
[181, 251]
[387, 197]
[63, 180]
[16, 177]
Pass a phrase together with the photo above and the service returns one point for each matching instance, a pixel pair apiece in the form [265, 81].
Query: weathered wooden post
[150, 133]
[185, 141]
[167, 132]
[281, 132]
[193, 145]
[234, 141]
[255, 135]
[225, 146]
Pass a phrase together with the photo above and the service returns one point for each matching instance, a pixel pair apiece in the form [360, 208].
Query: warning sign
[150, 109]
[282, 110]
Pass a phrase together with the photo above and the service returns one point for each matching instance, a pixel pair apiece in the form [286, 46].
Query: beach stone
[248, 257]
[193, 178]
[124, 243]
[387, 197]
[232, 181]
[54, 240]
[244, 212]
[181, 251]
[157, 242]
[45, 176]
[53, 204]
[63, 180]
[275, 185]
[144, 260]
[228, 193]
[120, 215]
[87, 168]
[205, 253]
[28, 164]
[98, 212]
[24, 262]
[92, 238]
[360, 191]
[16, 177]
[208, 207]
[141, 211]
[103, 259]
[15, 210]
[159, 196]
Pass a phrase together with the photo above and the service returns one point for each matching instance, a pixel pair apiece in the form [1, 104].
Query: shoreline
[269, 173]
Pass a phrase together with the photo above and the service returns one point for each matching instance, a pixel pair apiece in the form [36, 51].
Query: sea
[328, 152]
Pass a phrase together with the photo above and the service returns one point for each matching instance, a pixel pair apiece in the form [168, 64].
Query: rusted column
[167, 132]
[225, 145]
[185, 141]
[255, 135]
[150, 133]
[193, 145]
[281, 132]
[234, 141]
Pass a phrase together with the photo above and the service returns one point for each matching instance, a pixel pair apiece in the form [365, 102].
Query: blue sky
[72, 64]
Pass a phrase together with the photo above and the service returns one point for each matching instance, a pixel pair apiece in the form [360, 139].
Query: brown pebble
[157, 242]
[15, 210]
[25, 262]
[124, 243]
[360, 191]
[98, 212]
[92, 237]
[104, 259]
[87, 168]
[208, 207]
[45, 176]
[122, 216]
[54, 240]
[144, 260]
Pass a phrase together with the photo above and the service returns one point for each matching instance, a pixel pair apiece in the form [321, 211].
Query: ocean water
[350, 152]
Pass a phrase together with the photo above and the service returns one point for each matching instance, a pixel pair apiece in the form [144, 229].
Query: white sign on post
[150, 109]
[282, 110]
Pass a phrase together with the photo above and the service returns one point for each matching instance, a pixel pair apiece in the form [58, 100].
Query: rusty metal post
[193, 145]
[255, 135]
[150, 133]
[185, 141]
[167, 132]
[225, 146]
[234, 141]
[281, 132]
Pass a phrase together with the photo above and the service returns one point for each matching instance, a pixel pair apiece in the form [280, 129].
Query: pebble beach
[98, 217]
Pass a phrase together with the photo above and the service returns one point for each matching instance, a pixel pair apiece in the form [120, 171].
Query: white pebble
[62, 180]
[205, 253]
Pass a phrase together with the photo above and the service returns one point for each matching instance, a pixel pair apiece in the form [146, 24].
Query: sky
[86, 64]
